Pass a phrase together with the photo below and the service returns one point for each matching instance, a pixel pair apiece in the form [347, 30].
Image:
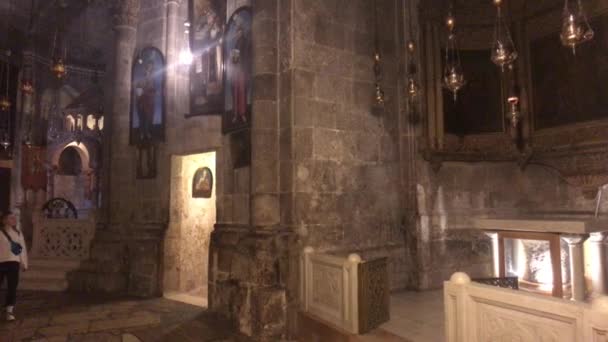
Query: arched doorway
[72, 177]
[192, 218]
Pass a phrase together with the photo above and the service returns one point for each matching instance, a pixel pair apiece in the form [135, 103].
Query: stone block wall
[449, 198]
[344, 168]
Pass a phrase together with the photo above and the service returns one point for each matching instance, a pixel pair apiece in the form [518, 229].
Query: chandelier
[575, 27]
[453, 77]
[503, 49]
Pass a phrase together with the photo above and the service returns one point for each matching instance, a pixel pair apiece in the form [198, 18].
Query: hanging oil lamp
[453, 77]
[379, 93]
[412, 85]
[575, 27]
[513, 111]
[5, 104]
[503, 48]
[58, 68]
[5, 142]
[27, 87]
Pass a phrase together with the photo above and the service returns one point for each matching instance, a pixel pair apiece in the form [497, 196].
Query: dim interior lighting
[187, 24]
[185, 57]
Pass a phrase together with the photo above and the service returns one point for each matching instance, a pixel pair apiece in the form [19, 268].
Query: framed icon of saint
[207, 20]
[202, 183]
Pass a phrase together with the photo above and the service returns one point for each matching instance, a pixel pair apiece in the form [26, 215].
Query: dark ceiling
[82, 26]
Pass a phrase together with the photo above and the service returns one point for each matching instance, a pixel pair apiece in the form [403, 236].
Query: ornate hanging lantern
[59, 48]
[59, 68]
[503, 48]
[5, 104]
[378, 92]
[575, 27]
[412, 85]
[27, 87]
[5, 140]
[513, 112]
[453, 77]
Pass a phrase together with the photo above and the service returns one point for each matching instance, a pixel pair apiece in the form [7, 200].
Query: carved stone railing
[62, 238]
[346, 292]
[476, 312]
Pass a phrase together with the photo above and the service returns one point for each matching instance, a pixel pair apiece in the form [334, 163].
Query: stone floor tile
[130, 338]
[124, 323]
[79, 317]
[65, 329]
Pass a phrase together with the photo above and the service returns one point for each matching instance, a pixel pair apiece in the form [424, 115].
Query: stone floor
[417, 316]
[54, 317]
[62, 317]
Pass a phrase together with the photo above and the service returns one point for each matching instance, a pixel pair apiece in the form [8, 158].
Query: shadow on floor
[68, 317]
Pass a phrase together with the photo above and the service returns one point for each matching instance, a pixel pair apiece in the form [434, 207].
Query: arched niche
[70, 163]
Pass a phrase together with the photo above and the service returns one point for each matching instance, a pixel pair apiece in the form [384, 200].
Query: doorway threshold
[186, 298]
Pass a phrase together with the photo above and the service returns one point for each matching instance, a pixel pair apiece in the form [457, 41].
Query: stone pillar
[50, 186]
[172, 56]
[577, 265]
[495, 255]
[21, 125]
[597, 244]
[125, 27]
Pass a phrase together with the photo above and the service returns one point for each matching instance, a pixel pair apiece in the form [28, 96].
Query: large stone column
[577, 265]
[116, 153]
[172, 55]
[24, 115]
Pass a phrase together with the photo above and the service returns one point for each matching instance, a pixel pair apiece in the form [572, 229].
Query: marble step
[47, 274]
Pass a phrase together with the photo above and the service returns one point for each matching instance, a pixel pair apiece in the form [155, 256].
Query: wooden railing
[478, 313]
[347, 292]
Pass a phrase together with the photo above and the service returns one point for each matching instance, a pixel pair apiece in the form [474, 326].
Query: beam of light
[185, 57]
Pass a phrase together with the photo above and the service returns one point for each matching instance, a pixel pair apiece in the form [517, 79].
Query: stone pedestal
[577, 265]
[247, 281]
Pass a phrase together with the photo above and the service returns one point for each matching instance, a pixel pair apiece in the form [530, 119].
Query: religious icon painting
[207, 20]
[148, 98]
[202, 183]
[238, 71]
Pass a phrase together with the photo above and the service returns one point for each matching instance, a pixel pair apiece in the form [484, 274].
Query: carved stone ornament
[125, 12]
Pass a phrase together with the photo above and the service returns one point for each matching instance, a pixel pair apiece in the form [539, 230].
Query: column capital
[578, 239]
[125, 12]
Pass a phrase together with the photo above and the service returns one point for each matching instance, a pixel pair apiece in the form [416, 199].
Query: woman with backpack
[13, 258]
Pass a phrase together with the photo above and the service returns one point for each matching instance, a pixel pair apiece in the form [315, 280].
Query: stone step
[43, 273]
[54, 263]
[43, 284]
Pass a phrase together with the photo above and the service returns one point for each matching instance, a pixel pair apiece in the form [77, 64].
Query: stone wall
[345, 162]
[186, 245]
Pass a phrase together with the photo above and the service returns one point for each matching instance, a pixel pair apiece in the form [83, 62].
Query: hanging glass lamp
[503, 48]
[27, 87]
[575, 27]
[412, 87]
[58, 68]
[5, 140]
[453, 77]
